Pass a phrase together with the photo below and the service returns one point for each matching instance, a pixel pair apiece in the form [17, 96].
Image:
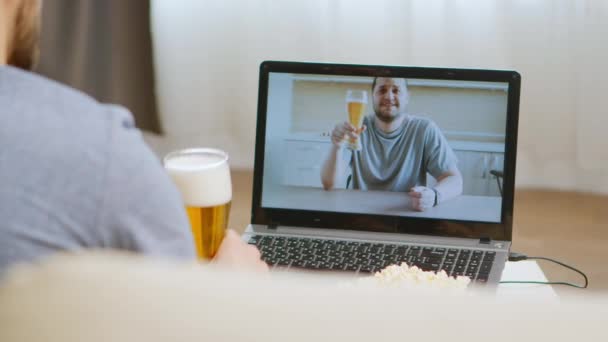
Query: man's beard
[24, 51]
[386, 118]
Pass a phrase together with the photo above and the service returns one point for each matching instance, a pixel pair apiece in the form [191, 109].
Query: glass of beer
[202, 176]
[356, 101]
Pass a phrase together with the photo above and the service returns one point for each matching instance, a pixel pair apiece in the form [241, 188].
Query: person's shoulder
[421, 122]
[420, 119]
[50, 103]
[40, 90]
[66, 123]
[368, 121]
[120, 117]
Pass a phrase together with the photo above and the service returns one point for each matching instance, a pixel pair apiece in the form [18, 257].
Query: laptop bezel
[382, 223]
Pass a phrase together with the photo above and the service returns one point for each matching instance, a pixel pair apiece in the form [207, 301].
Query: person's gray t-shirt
[77, 174]
[399, 160]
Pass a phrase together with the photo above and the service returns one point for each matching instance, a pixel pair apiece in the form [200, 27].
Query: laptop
[429, 181]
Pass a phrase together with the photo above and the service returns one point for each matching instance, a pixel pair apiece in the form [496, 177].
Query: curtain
[104, 48]
[208, 54]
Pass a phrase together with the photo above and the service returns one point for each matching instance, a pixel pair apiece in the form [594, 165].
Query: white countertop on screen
[464, 207]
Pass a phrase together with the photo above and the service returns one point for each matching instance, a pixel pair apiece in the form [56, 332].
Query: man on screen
[397, 150]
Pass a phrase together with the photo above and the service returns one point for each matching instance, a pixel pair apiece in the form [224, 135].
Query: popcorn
[405, 276]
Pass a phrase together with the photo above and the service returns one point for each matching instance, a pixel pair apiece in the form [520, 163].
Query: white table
[525, 271]
[464, 207]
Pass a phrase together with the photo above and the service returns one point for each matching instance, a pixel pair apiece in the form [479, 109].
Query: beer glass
[356, 101]
[202, 176]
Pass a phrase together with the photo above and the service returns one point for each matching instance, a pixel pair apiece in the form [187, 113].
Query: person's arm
[449, 185]
[142, 210]
[331, 168]
[441, 163]
[334, 165]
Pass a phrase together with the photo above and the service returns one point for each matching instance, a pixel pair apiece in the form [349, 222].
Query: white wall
[319, 104]
[208, 53]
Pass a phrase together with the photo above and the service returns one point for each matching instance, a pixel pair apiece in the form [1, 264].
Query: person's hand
[422, 197]
[345, 130]
[235, 253]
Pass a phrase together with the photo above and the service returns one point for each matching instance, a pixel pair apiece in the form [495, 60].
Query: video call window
[385, 146]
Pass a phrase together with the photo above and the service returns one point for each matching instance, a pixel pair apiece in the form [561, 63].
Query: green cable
[518, 257]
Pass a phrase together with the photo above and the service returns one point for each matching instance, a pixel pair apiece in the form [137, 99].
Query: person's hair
[23, 45]
[376, 78]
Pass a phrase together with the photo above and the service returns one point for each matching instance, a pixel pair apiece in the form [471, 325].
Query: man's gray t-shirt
[76, 174]
[399, 160]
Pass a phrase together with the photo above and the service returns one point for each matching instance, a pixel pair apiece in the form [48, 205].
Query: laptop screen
[394, 145]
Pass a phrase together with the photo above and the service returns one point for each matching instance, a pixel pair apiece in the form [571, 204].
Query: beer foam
[202, 179]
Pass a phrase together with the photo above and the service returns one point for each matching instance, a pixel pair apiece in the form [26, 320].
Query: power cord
[513, 256]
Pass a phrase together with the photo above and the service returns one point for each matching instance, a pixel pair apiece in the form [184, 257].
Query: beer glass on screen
[202, 176]
[356, 101]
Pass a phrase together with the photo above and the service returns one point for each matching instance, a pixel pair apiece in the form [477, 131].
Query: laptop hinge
[484, 241]
[273, 226]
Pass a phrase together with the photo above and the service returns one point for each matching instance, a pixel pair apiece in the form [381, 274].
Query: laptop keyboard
[365, 257]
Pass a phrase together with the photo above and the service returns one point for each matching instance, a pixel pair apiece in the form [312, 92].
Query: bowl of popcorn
[398, 276]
